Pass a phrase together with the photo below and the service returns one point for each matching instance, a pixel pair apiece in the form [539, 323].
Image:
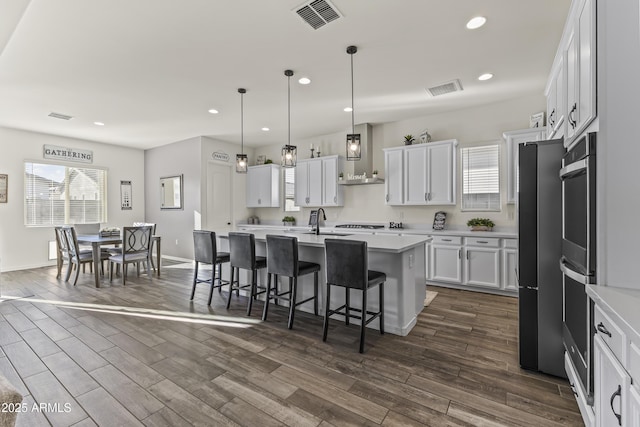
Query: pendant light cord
[353, 127]
[289, 108]
[241, 123]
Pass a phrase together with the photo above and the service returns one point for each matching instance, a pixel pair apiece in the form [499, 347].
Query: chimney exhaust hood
[360, 172]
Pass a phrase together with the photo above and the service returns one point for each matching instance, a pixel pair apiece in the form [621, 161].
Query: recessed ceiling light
[98, 123]
[304, 81]
[485, 76]
[266, 129]
[213, 111]
[476, 22]
[348, 109]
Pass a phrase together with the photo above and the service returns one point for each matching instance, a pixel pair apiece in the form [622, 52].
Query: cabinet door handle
[335, 199]
[613, 396]
[259, 201]
[467, 253]
[603, 329]
[425, 197]
[571, 119]
[428, 196]
[387, 198]
[459, 254]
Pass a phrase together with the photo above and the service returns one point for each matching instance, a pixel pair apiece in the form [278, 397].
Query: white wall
[473, 126]
[27, 247]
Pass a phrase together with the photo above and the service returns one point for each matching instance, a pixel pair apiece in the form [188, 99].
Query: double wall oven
[578, 261]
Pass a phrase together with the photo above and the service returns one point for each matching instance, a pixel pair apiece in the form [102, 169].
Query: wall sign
[219, 155]
[125, 196]
[67, 154]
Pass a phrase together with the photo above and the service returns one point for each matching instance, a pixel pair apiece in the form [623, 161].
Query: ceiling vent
[317, 13]
[60, 116]
[444, 88]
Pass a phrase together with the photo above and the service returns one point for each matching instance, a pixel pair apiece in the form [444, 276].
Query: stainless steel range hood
[365, 164]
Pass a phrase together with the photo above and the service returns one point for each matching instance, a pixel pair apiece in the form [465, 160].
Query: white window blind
[56, 194]
[290, 190]
[481, 178]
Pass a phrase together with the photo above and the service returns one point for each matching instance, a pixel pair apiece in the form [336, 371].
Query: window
[290, 190]
[56, 194]
[481, 178]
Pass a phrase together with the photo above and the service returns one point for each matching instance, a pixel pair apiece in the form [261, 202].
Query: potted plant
[375, 173]
[289, 221]
[340, 176]
[268, 162]
[480, 224]
[408, 139]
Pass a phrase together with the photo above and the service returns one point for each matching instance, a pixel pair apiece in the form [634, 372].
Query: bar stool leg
[219, 277]
[363, 319]
[230, 287]
[293, 286]
[275, 286]
[267, 298]
[325, 325]
[195, 276]
[315, 293]
[213, 284]
[348, 304]
[381, 308]
[252, 290]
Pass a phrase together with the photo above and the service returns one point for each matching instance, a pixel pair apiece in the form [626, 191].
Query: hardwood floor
[144, 355]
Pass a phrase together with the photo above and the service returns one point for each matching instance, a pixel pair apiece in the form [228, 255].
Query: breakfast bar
[401, 258]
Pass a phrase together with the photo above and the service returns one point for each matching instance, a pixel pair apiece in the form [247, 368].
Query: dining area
[86, 244]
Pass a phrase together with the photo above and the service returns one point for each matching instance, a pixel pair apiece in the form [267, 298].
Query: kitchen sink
[326, 234]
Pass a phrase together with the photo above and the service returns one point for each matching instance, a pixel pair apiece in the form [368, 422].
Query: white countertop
[503, 234]
[378, 242]
[621, 301]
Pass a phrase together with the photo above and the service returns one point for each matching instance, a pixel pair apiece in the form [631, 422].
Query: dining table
[97, 240]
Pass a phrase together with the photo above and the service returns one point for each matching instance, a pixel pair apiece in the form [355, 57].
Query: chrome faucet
[324, 218]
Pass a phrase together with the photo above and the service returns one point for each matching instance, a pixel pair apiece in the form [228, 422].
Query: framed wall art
[4, 187]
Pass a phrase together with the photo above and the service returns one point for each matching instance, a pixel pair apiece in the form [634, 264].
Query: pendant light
[289, 152]
[353, 139]
[241, 159]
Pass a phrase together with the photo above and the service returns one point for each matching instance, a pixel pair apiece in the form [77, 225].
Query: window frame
[67, 209]
[294, 207]
[496, 207]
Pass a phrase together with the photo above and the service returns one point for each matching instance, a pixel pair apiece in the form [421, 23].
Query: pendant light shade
[242, 160]
[289, 152]
[353, 139]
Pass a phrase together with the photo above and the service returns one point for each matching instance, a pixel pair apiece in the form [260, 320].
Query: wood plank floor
[144, 355]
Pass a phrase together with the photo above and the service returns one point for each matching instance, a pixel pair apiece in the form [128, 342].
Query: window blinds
[290, 190]
[481, 178]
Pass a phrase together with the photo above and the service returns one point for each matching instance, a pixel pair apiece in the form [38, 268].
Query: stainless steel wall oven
[578, 261]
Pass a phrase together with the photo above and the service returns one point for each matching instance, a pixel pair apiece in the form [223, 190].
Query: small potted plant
[480, 224]
[408, 139]
[340, 176]
[375, 173]
[268, 162]
[288, 221]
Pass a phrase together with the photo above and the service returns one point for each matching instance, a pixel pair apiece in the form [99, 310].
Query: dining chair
[75, 256]
[348, 267]
[206, 251]
[151, 245]
[136, 244]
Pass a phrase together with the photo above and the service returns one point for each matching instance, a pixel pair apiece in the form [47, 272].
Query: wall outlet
[176, 241]
[511, 215]
[410, 261]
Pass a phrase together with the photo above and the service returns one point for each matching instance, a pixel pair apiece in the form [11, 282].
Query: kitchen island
[401, 258]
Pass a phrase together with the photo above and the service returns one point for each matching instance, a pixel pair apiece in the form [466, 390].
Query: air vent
[317, 13]
[60, 116]
[444, 88]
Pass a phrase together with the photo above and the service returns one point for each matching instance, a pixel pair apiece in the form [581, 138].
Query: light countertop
[375, 242]
[621, 301]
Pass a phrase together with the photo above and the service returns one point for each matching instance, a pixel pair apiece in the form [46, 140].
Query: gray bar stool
[242, 254]
[206, 251]
[282, 260]
[348, 266]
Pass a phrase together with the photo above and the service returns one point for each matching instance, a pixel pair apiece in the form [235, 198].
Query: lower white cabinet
[612, 387]
[483, 263]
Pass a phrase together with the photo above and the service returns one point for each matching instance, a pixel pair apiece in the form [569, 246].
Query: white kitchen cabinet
[510, 265]
[422, 174]
[556, 99]
[513, 140]
[482, 262]
[634, 407]
[612, 386]
[393, 172]
[446, 259]
[316, 182]
[263, 186]
[581, 69]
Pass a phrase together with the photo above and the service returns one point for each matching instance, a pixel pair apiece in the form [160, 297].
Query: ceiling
[150, 69]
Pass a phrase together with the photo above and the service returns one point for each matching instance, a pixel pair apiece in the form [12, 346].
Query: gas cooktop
[365, 226]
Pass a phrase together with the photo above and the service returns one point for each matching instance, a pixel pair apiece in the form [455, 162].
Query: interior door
[219, 198]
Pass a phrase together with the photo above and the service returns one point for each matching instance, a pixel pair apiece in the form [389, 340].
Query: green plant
[408, 139]
[268, 161]
[288, 219]
[375, 171]
[482, 222]
[341, 175]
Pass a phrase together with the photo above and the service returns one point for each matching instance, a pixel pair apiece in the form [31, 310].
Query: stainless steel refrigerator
[539, 248]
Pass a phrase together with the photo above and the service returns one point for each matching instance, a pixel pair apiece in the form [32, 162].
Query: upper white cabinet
[513, 140]
[577, 54]
[556, 101]
[421, 174]
[263, 186]
[316, 182]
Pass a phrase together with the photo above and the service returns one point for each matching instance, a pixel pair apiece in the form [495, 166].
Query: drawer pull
[603, 329]
[446, 240]
[482, 241]
[613, 396]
